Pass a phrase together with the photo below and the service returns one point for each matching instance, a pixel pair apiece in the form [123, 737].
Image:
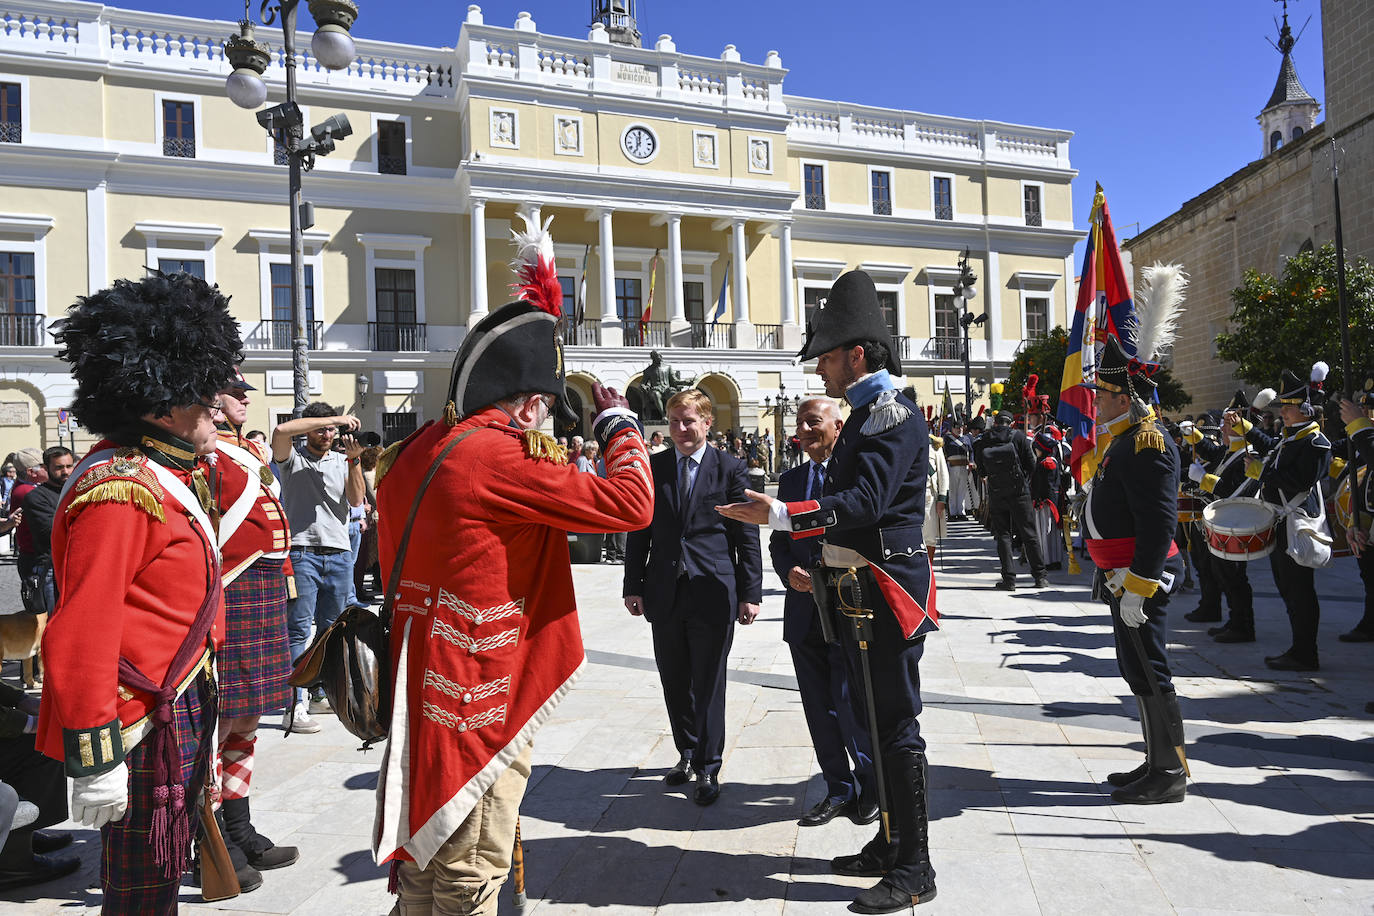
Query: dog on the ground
[20, 636]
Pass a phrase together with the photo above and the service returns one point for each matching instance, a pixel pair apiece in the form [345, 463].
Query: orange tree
[1293, 321]
[1045, 358]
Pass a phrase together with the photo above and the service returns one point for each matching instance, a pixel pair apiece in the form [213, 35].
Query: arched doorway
[725, 398]
[579, 389]
[22, 420]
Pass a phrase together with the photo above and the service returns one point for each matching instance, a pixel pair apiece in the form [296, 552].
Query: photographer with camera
[320, 487]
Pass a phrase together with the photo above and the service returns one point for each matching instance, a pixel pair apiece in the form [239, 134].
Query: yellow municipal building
[120, 151]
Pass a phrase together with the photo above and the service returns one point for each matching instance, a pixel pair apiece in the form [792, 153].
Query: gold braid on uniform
[386, 459]
[1149, 436]
[543, 447]
[451, 414]
[125, 479]
[119, 490]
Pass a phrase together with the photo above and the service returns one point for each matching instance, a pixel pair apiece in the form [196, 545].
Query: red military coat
[132, 564]
[485, 640]
[252, 523]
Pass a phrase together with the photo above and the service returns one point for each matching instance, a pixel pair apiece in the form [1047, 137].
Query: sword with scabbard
[862, 620]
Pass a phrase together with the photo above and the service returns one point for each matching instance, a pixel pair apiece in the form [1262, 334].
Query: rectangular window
[391, 147]
[11, 113]
[1032, 204]
[18, 290]
[629, 302]
[813, 185]
[181, 265]
[811, 298]
[179, 129]
[943, 198]
[694, 300]
[887, 301]
[396, 326]
[882, 193]
[283, 328]
[1037, 318]
[946, 316]
[396, 426]
[569, 285]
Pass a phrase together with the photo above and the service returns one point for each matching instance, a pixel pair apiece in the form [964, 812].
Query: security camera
[280, 117]
[335, 127]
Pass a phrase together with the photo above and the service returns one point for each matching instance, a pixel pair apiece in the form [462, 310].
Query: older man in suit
[692, 573]
[836, 733]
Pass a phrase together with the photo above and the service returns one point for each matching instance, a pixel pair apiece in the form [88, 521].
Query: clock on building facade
[639, 143]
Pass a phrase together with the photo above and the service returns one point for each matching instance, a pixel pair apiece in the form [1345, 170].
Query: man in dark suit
[836, 733]
[692, 573]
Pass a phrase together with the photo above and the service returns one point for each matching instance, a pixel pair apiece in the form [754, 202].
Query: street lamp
[333, 48]
[964, 291]
[780, 408]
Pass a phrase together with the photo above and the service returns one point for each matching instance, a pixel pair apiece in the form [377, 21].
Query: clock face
[639, 143]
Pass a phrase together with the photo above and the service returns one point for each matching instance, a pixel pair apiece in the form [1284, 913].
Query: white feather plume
[1263, 398]
[533, 243]
[1319, 371]
[1158, 306]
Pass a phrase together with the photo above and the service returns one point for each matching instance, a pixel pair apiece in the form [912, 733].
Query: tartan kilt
[131, 880]
[255, 659]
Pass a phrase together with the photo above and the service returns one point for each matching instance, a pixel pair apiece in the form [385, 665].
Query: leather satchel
[350, 659]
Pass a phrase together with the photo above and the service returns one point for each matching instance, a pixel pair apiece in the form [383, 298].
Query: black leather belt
[324, 551]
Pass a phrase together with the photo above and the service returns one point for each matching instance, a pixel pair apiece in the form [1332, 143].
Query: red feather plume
[534, 268]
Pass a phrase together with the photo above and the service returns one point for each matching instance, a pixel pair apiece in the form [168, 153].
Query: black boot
[873, 861]
[911, 879]
[1166, 779]
[250, 879]
[1130, 776]
[262, 853]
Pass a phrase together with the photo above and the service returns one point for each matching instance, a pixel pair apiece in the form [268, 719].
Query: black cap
[848, 315]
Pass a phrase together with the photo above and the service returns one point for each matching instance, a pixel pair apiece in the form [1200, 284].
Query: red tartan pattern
[255, 659]
[132, 881]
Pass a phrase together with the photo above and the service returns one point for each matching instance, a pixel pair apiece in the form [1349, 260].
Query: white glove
[97, 800]
[1185, 427]
[1116, 581]
[1196, 472]
[1132, 609]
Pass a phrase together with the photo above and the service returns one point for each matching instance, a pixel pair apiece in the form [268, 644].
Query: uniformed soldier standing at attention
[870, 518]
[1130, 517]
[128, 701]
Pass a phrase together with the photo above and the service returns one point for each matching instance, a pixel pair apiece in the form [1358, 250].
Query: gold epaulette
[543, 447]
[386, 459]
[1148, 437]
[936, 441]
[126, 478]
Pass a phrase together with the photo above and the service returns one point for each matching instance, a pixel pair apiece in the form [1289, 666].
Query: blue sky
[1162, 96]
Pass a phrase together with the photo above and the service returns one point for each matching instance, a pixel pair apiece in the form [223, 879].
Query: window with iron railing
[887, 303]
[282, 319]
[629, 298]
[11, 113]
[1032, 205]
[391, 147]
[946, 316]
[179, 129]
[813, 186]
[18, 285]
[811, 300]
[396, 328]
[396, 426]
[882, 193]
[279, 153]
[943, 196]
[694, 300]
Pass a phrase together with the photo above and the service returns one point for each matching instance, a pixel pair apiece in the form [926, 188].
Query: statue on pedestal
[656, 385]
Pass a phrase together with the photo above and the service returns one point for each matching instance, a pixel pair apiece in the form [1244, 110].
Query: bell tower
[1291, 110]
[618, 16]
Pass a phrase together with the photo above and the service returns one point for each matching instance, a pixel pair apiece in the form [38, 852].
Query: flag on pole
[580, 310]
[720, 301]
[947, 403]
[649, 304]
[1104, 307]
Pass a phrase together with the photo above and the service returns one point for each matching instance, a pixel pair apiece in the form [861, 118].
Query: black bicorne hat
[848, 315]
[1294, 390]
[514, 349]
[1120, 373]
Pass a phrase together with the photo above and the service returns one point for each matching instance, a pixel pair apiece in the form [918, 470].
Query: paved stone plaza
[1024, 719]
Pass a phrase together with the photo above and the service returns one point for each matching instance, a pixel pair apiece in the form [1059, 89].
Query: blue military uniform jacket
[1132, 507]
[1293, 463]
[875, 499]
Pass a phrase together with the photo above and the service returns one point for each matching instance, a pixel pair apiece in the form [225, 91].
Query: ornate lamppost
[964, 291]
[781, 408]
[333, 48]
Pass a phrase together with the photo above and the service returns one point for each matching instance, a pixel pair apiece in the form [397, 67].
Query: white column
[744, 331]
[611, 334]
[992, 304]
[791, 320]
[676, 308]
[97, 247]
[478, 229]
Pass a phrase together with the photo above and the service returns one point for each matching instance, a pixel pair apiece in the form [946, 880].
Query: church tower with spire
[1291, 110]
[618, 16]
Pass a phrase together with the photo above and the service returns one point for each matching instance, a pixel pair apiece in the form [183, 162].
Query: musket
[862, 620]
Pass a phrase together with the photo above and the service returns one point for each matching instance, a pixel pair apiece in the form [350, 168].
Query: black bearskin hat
[849, 315]
[144, 347]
